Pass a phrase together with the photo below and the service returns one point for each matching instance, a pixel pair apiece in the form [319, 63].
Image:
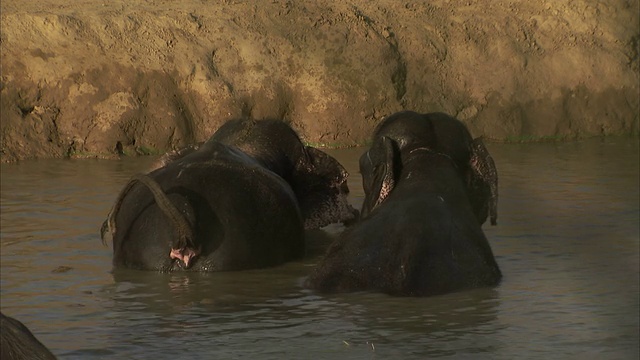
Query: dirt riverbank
[79, 76]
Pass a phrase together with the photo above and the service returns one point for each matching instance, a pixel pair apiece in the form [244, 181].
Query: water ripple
[567, 243]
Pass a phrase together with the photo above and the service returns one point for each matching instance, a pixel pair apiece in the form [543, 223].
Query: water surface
[567, 242]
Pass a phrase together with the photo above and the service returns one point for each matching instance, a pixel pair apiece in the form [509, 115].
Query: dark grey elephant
[18, 343]
[239, 201]
[428, 188]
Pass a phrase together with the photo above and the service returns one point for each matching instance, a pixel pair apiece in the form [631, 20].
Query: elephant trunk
[183, 247]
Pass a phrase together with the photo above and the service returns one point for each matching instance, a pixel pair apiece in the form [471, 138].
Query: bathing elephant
[428, 188]
[18, 343]
[240, 200]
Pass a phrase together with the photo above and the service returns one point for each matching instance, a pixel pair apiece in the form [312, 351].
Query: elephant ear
[377, 167]
[483, 183]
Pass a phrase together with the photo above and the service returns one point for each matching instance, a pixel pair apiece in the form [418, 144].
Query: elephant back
[244, 215]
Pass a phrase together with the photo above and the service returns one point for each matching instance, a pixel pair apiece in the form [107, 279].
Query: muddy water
[567, 242]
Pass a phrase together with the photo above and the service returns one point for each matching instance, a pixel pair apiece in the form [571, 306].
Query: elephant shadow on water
[429, 187]
[241, 200]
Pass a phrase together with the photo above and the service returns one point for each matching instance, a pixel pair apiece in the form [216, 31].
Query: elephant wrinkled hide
[246, 195]
[18, 343]
[428, 189]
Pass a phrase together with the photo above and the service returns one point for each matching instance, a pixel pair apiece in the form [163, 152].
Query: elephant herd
[244, 199]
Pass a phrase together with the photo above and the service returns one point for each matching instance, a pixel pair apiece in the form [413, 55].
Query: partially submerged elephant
[428, 188]
[239, 201]
[18, 343]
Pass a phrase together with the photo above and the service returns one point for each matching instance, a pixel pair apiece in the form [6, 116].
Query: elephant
[18, 343]
[240, 200]
[429, 187]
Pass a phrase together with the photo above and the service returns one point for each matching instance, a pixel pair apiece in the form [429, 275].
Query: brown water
[567, 242]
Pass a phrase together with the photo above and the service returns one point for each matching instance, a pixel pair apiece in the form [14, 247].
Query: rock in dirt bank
[80, 76]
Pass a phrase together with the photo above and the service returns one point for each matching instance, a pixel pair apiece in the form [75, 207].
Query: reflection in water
[567, 242]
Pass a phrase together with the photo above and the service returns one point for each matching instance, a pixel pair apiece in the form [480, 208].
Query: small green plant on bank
[146, 150]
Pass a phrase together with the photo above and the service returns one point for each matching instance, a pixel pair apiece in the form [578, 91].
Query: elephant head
[407, 131]
[320, 184]
[317, 179]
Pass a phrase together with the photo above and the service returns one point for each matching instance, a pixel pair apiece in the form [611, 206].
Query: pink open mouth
[185, 255]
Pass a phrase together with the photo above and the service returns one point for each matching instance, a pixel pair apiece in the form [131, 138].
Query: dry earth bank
[79, 76]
